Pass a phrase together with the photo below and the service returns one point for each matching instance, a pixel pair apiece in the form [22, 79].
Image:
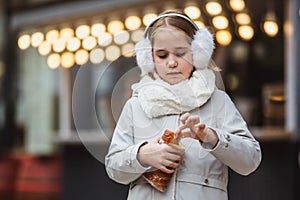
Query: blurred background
[65, 72]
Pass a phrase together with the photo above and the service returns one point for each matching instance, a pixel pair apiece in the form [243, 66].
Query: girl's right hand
[161, 156]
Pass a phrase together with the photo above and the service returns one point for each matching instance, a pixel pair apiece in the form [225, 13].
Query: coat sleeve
[237, 148]
[121, 161]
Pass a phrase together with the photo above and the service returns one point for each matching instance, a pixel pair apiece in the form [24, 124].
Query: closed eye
[180, 54]
[163, 56]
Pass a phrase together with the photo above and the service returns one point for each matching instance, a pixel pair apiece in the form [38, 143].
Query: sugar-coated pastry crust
[168, 136]
[157, 178]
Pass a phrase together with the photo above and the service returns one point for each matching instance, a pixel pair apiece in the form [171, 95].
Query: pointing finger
[184, 117]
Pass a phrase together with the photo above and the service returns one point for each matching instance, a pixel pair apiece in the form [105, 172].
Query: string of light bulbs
[101, 40]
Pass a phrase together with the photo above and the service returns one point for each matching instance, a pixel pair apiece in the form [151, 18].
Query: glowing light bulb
[133, 22]
[53, 60]
[137, 35]
[52, 35]
[67, 60]
[37, 39]
[73, 44]
[97, 56]
[115, 26]
[82, 31]
[220, 22]
[237, 5]
[148, 18]
[200, 24]
[89, 43]
[66, 33]
[105, 39]
[121, 37]
[243, 18]
[270, 28]
[97, 29]
[193, 12]
[246, 32]
[213, 8]
[59, 45]
[81, 57]
[45, 48]
[223, 37]
[128, 50]
[24, 41]
[112, 53]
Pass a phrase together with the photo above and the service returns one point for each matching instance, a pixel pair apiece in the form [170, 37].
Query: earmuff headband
[169, 15]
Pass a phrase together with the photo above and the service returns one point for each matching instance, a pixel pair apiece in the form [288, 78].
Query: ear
[202, 47]
[144, 58]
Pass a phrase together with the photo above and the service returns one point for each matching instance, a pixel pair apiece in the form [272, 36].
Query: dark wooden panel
[276, 178]
[85, 177]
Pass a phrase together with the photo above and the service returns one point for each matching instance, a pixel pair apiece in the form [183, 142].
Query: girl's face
[172, 55]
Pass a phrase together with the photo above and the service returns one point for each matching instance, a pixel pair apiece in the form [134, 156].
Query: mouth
[173, 73]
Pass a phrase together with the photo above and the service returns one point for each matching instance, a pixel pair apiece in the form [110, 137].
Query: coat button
[226, 145]
[206, 181]
[227, 137]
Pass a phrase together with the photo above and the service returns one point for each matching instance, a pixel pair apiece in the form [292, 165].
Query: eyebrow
[176, 48]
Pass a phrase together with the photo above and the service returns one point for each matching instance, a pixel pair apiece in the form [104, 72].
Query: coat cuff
[208, 146]
[133, 161]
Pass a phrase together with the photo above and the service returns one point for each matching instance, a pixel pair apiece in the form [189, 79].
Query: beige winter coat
[204, 172]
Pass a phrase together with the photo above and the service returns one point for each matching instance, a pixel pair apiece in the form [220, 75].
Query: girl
[177, 92]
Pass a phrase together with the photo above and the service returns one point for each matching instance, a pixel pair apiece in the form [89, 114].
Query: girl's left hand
[196, 129]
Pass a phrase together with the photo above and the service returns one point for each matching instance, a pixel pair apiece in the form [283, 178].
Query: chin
[173, 82]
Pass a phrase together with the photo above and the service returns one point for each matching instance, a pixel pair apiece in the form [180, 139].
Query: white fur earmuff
[144, 58]
[202, 48]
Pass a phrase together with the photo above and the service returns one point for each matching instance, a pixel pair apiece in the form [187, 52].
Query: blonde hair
[175, 21]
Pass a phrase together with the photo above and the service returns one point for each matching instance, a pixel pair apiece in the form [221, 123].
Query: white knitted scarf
[158, 98]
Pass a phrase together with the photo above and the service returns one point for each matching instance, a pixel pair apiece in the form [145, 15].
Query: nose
[172, 62]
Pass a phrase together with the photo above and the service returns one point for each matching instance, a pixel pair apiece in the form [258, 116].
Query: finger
[186, 134]
[174, 164]
[177, 149]
[192, 120]
[167, 170]
[178, 131]
[184, 117]
[200, 126]
[173, 157]
[180, 128]
[157, 140]
[165, 165]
